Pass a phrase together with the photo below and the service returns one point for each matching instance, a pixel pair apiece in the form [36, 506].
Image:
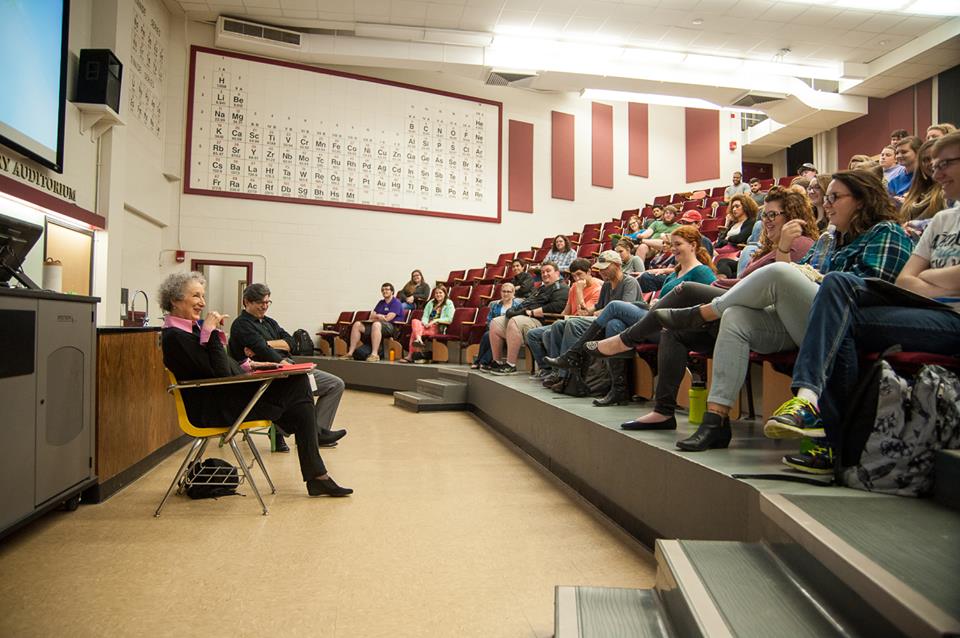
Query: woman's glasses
[830, 198]
[770, 214]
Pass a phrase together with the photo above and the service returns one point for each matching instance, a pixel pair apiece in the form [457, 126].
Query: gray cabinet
[47, 397]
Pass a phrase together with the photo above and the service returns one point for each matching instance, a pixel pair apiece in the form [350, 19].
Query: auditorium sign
[30, 175]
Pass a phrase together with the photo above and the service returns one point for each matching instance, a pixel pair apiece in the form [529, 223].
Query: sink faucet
[133, 304]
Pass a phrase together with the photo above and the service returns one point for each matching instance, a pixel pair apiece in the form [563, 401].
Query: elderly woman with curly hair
[193, 348]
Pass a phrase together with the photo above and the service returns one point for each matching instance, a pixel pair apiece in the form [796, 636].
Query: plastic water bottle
[822, 249]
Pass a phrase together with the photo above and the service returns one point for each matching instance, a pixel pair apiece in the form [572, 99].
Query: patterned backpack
[895, 428]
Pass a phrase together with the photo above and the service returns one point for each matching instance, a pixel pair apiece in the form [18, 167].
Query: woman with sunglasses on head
[780, 206]
[767, 312]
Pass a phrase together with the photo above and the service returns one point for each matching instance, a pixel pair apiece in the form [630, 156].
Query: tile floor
[451, 532]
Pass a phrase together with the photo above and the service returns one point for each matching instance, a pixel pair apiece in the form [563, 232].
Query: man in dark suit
[256, 336]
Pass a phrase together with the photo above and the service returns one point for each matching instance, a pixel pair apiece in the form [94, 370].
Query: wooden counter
[136, 419]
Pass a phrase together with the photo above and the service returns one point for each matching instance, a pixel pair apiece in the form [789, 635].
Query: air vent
[753, 98]
[510, 78]
[231, 28]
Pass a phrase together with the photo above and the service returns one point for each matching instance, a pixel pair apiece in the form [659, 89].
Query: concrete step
[455, 374]
[421, 402]
[896, 556]
[607, 612]
[946, 489]
[448, 390]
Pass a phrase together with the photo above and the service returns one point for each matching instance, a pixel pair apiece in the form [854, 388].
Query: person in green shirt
[436, 314]
[651, 240]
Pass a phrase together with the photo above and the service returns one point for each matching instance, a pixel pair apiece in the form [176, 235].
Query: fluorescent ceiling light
[917, 7]
[935, 7]
[871, 5]
[647, 98]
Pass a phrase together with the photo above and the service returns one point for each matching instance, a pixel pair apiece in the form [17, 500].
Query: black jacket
[523, 283]
[552, 298]
[219, 406]
[249, 332]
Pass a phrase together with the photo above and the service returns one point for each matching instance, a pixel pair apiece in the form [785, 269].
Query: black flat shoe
[327, 486]
[330, 437]
[681, 318]
[713, 433]
[551, 379]
[669, 424]
[280, 445]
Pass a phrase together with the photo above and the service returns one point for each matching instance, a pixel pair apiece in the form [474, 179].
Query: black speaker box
[100, 76]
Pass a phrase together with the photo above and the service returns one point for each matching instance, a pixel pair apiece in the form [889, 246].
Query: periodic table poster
[284, 132]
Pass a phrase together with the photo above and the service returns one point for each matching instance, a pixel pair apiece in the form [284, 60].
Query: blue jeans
[535, 341]
[617, 315]
[562, 336]
[484, 353]
[844, 317]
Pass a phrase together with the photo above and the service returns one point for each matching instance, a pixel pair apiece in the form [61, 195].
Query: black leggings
[684, 295]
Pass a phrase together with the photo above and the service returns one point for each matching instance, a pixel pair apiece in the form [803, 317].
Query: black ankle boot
[681, 318]
[619, 393]
[573, 357]
[714, 432]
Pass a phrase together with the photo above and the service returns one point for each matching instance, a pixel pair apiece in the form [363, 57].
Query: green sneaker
[819, 460]
[795, 419]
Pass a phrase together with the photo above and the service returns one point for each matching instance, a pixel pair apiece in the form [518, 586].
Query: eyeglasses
[831, 198]
[262, 303]
[770, 214]
[941, 165]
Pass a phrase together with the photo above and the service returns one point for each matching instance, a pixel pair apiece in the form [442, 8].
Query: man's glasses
[831, 198]
[265, 303]
[941, 165]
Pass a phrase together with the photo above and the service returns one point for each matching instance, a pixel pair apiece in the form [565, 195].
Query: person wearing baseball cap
[694, 218]
[807, 170]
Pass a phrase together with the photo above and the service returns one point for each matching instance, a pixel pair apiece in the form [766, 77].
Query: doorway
[225, 283]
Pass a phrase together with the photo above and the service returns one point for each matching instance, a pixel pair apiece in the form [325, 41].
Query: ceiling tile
[679, 38]
[596, 9]
[880, 22]
[617, 29]
[709, 39]
[443, 16]
[197, 6]
[682, 5]
[257, 4]
[646, 34]
[374, 7]
[408, 9]
[525, 5]
[550, 22]
[516, 19]
[293, 13]
[916, 25]
[583, 25]
[715, 6]
[479, 18]
[299, 5]
[668, 17]
[858, 38]
[785, 12]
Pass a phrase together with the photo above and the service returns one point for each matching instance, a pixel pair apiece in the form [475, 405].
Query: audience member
[782, 206]
[631, 263]
[520, 278]
[437, 315]
[756, 191]
[936, 131]
[737, 227]
[651, 239]
[848, 316]
[561, 254]
[631, 231]
[816, 189]
[767, 312]
[857, 161]
[256, 336]
[510, 329]
[736, 188]
[656, 213]
[807, 171]
[497, 309]
[925, 197]
[382, 324]
[194, 350]
[898, 135]
[888, 162]
[415, 292]
[581, 300]
[907, 150]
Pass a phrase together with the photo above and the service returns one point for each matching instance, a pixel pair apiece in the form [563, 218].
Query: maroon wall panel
[702, 144]
[869, 133]
[520, 159]
[602, 144]
[561, 156]
[638, 132]
[924, 113]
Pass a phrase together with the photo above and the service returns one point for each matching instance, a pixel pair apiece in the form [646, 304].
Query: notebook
[286, 367]
[883, 293]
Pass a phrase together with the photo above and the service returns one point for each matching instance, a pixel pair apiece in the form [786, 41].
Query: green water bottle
[698, 402]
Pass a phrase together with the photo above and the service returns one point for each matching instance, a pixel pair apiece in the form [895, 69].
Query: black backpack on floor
[302, 343]
[212, 479]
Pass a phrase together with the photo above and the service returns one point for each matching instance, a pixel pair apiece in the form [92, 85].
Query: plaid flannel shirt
[882, 251]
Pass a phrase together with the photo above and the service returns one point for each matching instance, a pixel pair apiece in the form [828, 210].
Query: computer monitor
[17, 237]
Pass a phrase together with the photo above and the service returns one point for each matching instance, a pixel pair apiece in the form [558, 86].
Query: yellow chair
[201, 437]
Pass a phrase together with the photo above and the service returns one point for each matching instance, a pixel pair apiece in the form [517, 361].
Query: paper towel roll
[53, 275]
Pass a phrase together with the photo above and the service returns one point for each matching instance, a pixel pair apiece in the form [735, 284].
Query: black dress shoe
[681, 318]
[713, 433]
[558, 386]
[279, 444]
[327, 486]
[550, 379]
[329, 438]
[669, 424]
